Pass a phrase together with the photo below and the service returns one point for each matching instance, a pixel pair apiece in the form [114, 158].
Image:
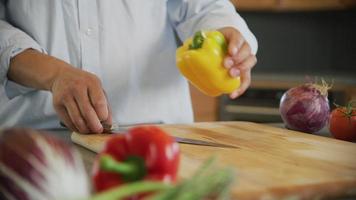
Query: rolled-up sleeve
[12, 42]
[188, 16]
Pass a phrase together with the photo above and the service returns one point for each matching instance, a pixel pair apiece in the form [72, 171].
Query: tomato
[343, 123]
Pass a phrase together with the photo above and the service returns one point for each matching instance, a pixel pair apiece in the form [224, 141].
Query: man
[59, 58]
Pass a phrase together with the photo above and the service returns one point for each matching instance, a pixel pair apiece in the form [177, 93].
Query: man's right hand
[78, 97]
[79, 100]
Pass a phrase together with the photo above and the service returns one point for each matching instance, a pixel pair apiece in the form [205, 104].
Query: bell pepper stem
[131, 170]
[107, 163]
[198, 40]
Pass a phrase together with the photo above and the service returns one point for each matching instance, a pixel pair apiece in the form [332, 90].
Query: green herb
[209, 181]
[131, 189]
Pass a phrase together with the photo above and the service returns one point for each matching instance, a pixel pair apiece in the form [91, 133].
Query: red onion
[306, 107]
[39, 166]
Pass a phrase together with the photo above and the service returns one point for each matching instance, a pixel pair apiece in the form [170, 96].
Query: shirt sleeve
[189, 16]
[12, 42]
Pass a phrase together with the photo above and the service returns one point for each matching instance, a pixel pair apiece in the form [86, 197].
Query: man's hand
[79, 100]
[78, 97]
[239, 60]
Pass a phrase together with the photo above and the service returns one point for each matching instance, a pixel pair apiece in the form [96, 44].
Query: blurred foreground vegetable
[143, 164]
[343, 122]
[144, 153]
[305, 107]
[209, 182]
[38, 166]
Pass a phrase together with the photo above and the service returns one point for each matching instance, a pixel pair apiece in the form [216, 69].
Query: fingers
[79, 114]
[245, 76]
[87, 111]
[239, 60]
[245, 83]
[76, 116]
[62, 113]
[98, 100]
[235, 41]
[108, 119]
[244, 52]
[80, 101]
[241, 65]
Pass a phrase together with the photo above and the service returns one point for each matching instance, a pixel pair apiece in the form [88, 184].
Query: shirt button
[89, 31]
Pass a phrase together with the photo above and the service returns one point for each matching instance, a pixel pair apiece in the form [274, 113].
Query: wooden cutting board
[270, 163]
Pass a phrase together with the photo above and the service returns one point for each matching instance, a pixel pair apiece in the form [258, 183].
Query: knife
[114, 128]
[117, 129]
[203, 143]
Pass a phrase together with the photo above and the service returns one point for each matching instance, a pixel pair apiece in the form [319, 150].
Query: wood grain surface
[270, 163]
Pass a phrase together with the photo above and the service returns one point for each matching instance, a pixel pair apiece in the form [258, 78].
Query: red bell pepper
[144, 153]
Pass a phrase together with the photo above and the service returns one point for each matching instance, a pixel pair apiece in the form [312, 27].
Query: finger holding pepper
[144, 153]
[239, 59]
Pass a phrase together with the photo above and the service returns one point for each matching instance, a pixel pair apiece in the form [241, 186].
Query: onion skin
[305, 108]
[39, 166]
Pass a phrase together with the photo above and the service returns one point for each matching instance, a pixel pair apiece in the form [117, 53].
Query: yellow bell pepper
[200, 60]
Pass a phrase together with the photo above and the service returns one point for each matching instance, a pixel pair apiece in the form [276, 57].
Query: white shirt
[129, 44]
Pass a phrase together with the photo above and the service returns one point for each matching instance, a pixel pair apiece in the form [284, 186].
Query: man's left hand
[239, 59]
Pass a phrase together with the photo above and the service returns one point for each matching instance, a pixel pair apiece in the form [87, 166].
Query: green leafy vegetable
[209, 181]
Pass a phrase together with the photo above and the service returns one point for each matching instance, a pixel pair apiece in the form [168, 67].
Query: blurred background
[299, 40]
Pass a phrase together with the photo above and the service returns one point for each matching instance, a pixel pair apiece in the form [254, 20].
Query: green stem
[130, 190]
[350, 107]
[107, 163]
[198, 40]
[133, 169]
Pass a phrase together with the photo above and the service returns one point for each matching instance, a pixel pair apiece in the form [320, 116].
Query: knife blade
[203, 143]
[114, 128]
